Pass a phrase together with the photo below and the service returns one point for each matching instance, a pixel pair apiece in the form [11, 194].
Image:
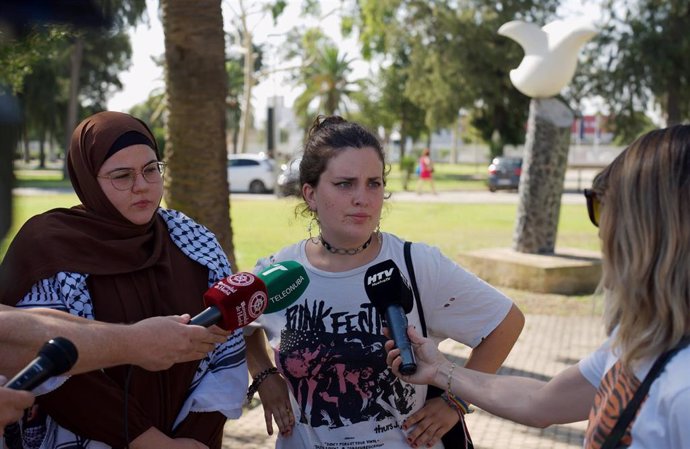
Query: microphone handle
[31, 376]
[397, 324]
[207, 318]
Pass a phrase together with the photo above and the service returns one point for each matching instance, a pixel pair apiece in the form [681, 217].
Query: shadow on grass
[44, 183]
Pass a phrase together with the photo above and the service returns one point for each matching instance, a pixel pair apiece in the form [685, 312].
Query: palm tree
[326, 80]
[196, 181]
[41, 95]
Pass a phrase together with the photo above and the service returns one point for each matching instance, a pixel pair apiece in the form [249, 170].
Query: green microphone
[285, 282]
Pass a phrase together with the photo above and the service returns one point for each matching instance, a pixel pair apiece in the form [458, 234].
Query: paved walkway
[548, 345]
[455, 196]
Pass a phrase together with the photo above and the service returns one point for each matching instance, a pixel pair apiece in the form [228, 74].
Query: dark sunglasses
[593, 206]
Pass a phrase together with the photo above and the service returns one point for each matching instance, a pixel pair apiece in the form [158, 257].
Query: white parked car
[250, 173]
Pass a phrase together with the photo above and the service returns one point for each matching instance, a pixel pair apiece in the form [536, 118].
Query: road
[468, 197]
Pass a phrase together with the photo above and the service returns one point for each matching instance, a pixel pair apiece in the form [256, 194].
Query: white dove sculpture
[550, 54]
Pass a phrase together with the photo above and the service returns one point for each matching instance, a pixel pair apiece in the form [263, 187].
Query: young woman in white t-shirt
[334, 388]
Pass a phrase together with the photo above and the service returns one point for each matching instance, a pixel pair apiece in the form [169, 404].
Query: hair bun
[324, 121]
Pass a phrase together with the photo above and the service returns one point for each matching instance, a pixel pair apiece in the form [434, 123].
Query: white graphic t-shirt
[329, 346]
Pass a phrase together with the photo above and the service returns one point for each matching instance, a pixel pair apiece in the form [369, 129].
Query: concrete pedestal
[568, 272]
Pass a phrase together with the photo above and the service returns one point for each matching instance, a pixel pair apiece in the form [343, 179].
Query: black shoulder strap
[413, 280]
[628, 414]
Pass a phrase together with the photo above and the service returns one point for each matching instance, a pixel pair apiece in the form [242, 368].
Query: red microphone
[233, 302]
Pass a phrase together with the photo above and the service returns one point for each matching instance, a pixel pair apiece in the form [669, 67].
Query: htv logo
[380, 276]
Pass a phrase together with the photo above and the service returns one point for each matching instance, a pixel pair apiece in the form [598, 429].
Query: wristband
[457, 404]
[258, 379]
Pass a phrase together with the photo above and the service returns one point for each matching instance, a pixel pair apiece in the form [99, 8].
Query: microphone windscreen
[385, 285]
[240, 297]
[285, 282]
[61, 352]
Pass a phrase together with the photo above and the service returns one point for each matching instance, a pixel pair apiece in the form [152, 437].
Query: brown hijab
[93, 237]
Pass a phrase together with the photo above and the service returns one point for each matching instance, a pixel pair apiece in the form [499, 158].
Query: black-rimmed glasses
[123, 179]
[593, 206]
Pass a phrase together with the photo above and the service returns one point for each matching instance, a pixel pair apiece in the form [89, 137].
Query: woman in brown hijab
[120, 257]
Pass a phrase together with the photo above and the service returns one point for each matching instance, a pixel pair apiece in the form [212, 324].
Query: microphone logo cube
[380, 277]
[250, 310]
[257, 304]
[241, 279]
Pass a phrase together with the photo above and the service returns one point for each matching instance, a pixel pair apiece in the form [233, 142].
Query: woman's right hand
[275, 399]
[429, 358]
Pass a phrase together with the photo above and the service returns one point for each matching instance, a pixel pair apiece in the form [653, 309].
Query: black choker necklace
[345, 251]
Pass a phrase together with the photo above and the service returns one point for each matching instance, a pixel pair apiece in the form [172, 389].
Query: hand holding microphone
[56, 357]
[390, 293]
[428, 357]
[12, 405]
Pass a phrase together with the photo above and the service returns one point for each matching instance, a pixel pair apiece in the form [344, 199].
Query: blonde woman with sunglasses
[635, 389]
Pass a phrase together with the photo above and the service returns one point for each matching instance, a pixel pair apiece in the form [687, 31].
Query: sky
[147, 41]
[144, 75]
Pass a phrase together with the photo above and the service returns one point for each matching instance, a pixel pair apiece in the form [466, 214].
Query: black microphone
[56, 356]
[391, 294]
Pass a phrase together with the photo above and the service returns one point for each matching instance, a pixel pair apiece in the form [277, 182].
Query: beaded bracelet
[254, 387]
[450, 379]
[453, 401]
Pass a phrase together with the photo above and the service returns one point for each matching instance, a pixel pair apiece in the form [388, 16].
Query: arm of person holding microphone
[100, 345]
[154, 343]
[233, 302]
[565, 398]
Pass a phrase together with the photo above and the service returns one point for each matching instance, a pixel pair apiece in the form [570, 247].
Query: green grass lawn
[46, 179]
[263, 226]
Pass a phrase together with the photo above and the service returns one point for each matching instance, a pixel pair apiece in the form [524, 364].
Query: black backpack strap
[413, 280]
[458, 436]
[630, 411]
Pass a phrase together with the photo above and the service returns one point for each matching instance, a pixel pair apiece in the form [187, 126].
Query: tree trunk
[196, 181]
[455, 136]
[25, 141]
[543, 172]
[42, 149]
[10, 130]
[673, 116]
[73, 100]
[245, 118]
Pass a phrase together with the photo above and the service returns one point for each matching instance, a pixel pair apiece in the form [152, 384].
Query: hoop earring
[314, 222]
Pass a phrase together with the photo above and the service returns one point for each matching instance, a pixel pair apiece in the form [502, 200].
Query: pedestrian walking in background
[426, 171]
